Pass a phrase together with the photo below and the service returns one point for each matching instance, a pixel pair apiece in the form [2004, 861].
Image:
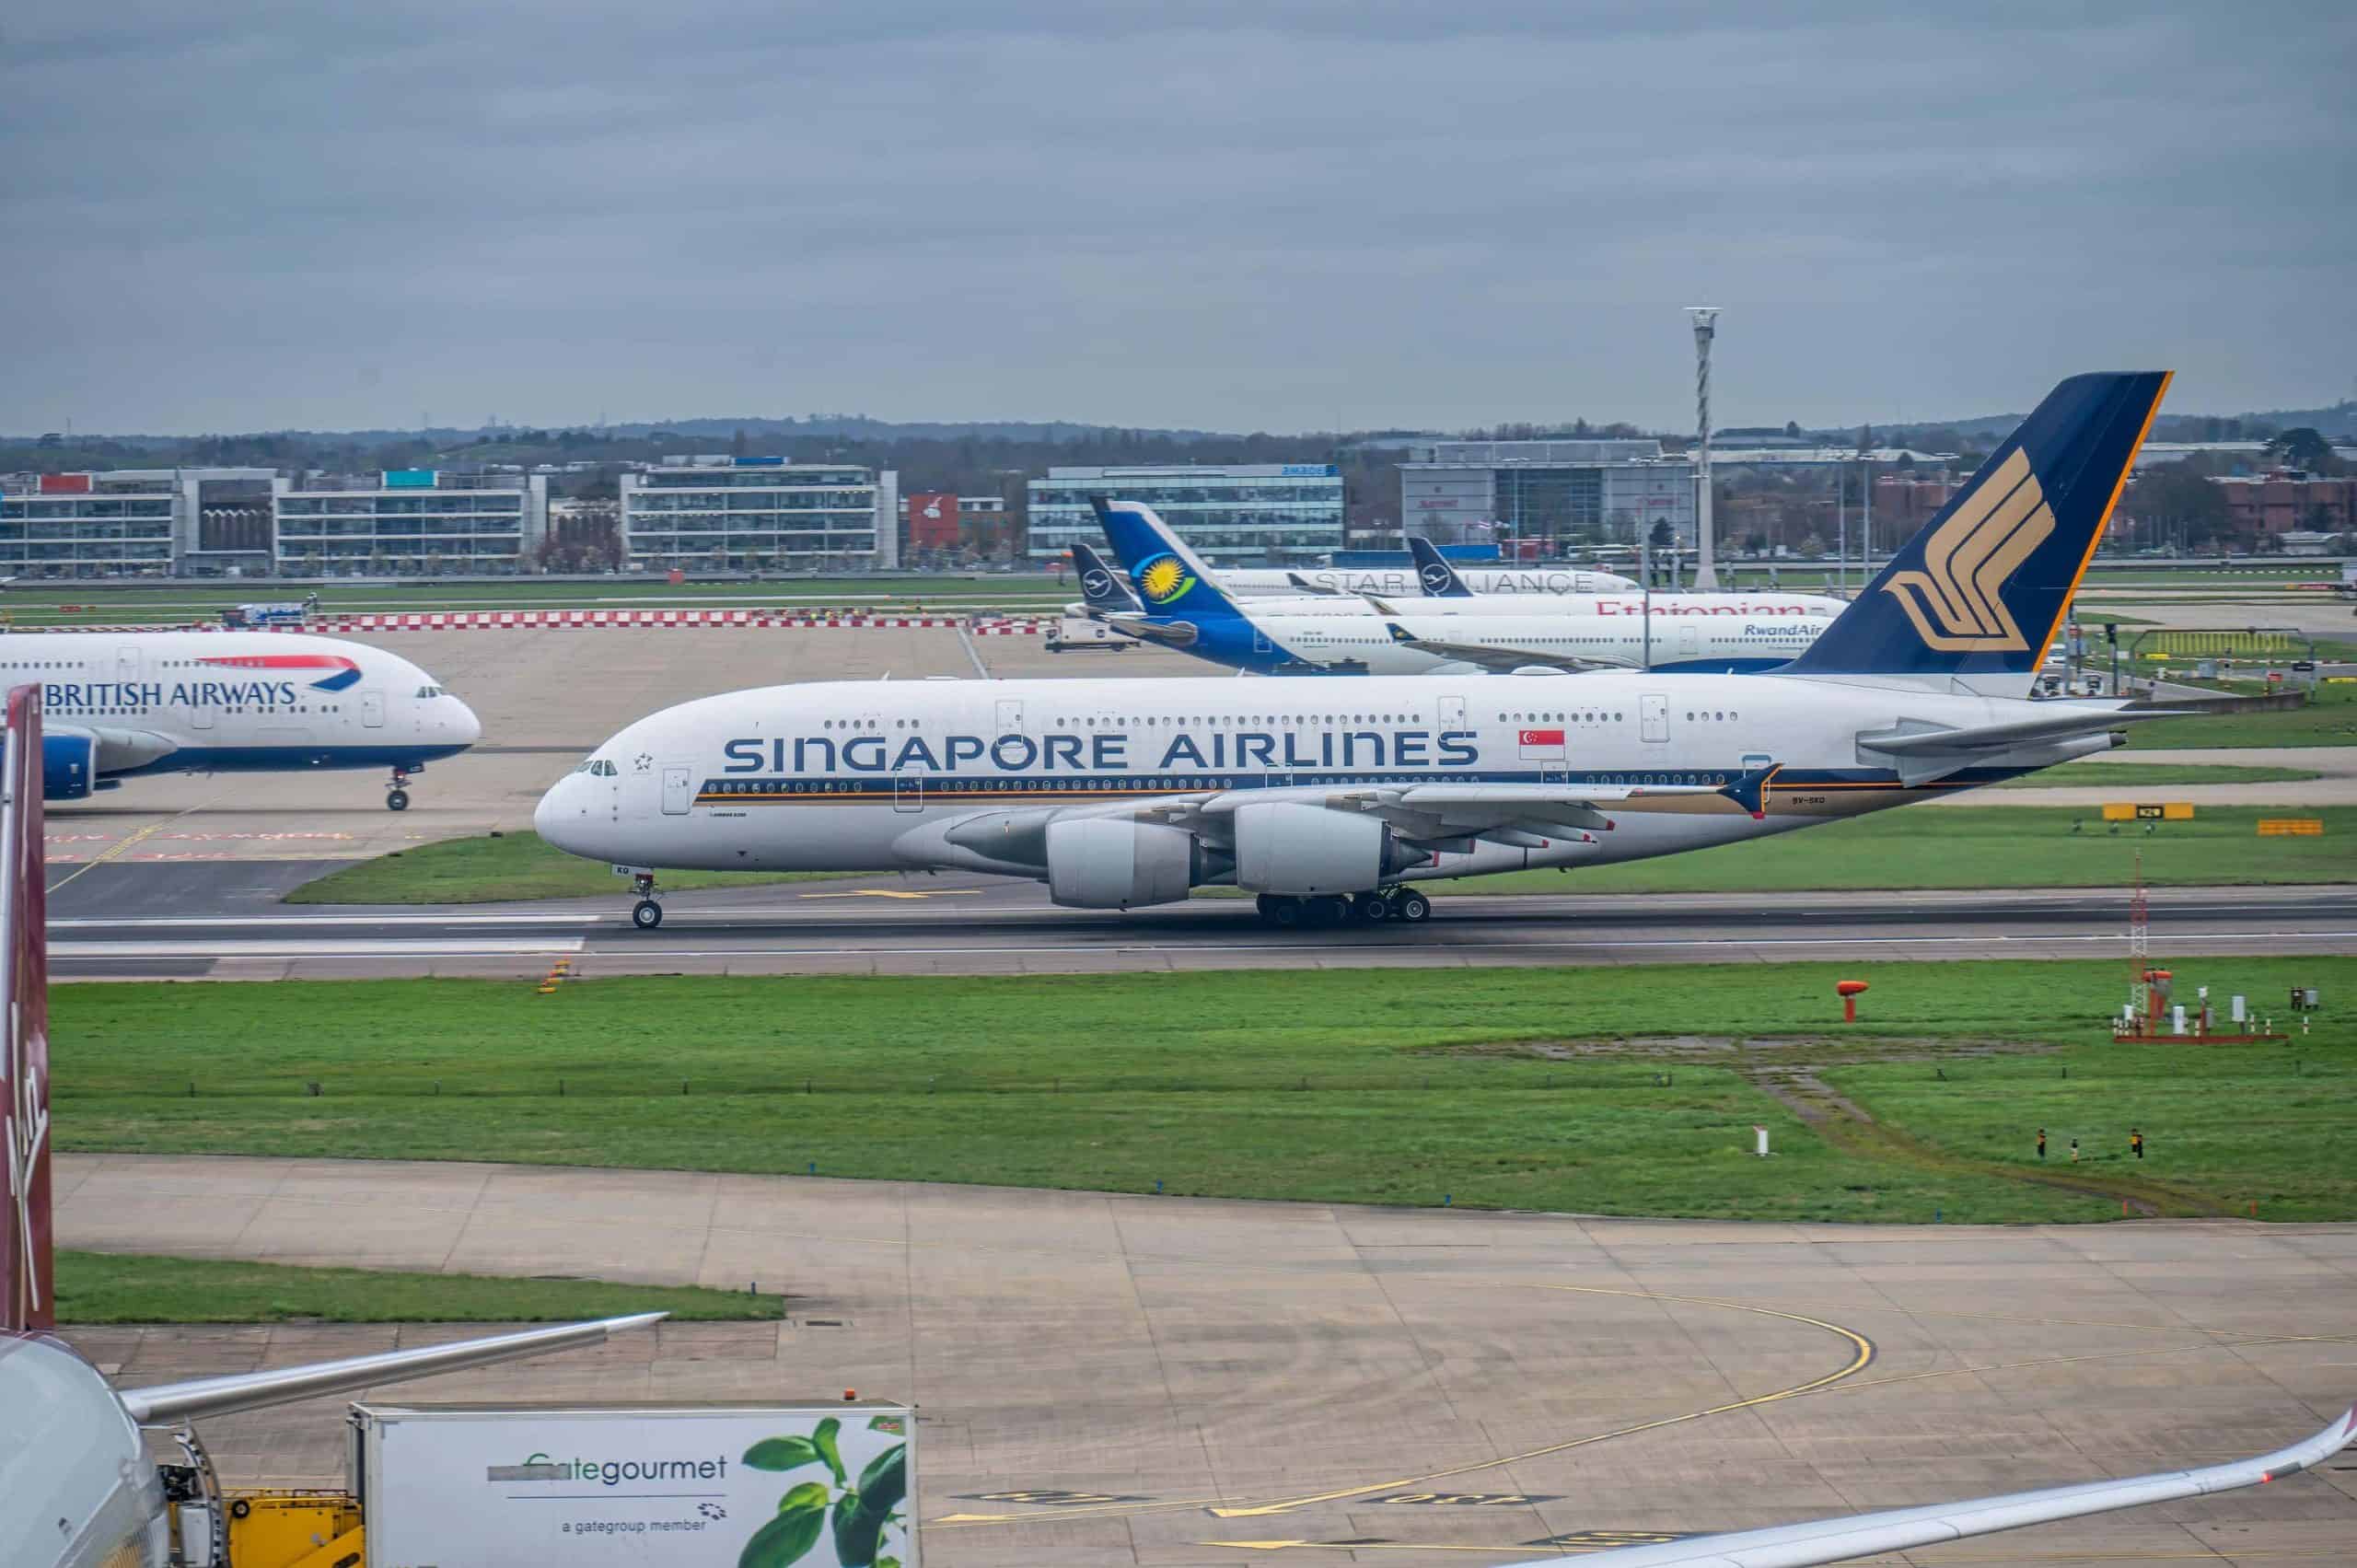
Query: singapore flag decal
[1540, 742]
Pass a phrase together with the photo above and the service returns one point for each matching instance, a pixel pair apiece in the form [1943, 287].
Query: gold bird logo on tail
[1956, 601]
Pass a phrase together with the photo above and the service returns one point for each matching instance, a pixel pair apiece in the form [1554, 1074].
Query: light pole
[1706, 576]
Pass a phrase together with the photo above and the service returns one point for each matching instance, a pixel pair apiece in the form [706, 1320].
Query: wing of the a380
[1904, 1529]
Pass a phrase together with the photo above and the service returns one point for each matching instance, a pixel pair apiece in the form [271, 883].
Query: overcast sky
[224, 215]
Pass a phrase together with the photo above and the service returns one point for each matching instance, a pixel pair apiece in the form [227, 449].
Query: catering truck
[673, 1486]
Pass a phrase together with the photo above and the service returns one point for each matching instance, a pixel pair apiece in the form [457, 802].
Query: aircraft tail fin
[1979, 592]
[27, 1297]
[1170, 578]
[1432, 570]
[1101, 587]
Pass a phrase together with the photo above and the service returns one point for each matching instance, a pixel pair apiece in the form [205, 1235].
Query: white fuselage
[1725, 645]
[846, 775]
[230, 701]
[1627, 606]
[1535, 580]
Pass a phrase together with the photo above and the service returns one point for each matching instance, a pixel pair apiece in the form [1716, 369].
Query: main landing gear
[647, 914]
[1384, 905]
[396, 791]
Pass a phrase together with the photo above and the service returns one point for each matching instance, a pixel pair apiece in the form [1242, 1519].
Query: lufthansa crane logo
[1435, 577]
[1956, 601]
[1096, 583]
[1163, 579]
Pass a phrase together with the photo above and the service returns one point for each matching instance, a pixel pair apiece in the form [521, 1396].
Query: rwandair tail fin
[1976, 596]
[1432, 570]
[1169, 578]
[27, 1297]
[1101, 587]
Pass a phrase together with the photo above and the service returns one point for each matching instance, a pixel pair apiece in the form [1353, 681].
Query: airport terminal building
[1544, 496]
[1237, 512]
[410, 522]
[757, 514]
[135, 522]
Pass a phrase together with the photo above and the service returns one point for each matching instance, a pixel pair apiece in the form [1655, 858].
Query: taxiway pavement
[1172, 1382]
[232, 929]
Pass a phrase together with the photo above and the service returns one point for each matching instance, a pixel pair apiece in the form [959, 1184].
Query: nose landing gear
[1380, 907]
[647, 914]
[396, 791]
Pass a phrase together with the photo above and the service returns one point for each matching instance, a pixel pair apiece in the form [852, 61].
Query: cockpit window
[429, 692]
[598, 767]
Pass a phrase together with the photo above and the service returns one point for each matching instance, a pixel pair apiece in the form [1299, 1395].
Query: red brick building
[2288, 502]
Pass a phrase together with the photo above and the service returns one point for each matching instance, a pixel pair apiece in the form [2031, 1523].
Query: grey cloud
[1280, 215]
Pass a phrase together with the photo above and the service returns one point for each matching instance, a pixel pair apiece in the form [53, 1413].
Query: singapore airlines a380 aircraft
[137, 703]
[1329, 800]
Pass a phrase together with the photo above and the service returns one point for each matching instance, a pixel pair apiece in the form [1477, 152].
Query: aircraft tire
[1284, 912]
[397, 800]
[1326, 910]
[646, 915]
[1372, 908]
[1414, 908]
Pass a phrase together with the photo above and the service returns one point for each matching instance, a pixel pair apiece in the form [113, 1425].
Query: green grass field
[2330, 719]
[106, 1287]
[34, 606]
[489, 870]
[1580, 1089]
[1979, 847]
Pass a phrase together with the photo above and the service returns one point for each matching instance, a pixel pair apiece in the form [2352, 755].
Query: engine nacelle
[69, 766]
[1099, 863]
[1288, 848]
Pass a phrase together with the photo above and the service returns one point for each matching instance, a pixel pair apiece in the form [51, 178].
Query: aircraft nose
[465, 727]
[552, 817]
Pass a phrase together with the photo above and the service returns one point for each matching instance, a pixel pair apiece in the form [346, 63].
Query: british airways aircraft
[132, 704]
[1330, 799]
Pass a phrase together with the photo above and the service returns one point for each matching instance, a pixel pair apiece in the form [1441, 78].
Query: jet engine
[1102, 863]
[69, 764]
[1289, 848]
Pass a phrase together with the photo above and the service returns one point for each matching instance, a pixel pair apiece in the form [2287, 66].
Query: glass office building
[1545, 497]
[132, 522]
[411, 522]
[1240, 513]
[755, 514]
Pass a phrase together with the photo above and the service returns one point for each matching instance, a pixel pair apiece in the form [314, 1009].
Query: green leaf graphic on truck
[862, 1514]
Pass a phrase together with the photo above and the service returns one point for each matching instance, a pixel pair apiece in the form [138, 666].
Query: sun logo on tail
[1163, 579]
[1956, 601]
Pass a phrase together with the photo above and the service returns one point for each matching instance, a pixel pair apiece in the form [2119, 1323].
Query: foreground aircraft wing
[1904, 1529]
[169, 1402]
[1503, 660]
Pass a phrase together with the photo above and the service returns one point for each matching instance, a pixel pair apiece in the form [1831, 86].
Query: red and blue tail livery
[1982, 590]
[342, 673]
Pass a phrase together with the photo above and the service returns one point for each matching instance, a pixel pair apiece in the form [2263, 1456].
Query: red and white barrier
[611, 620]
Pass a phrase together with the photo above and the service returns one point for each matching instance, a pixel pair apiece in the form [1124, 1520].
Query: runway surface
[194, 924]
[1139, 1380]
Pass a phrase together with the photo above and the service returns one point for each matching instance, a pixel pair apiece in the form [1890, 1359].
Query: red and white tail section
[26, 1282]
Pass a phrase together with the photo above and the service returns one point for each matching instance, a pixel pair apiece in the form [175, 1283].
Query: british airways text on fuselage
[1105, 751]
[91, 696]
